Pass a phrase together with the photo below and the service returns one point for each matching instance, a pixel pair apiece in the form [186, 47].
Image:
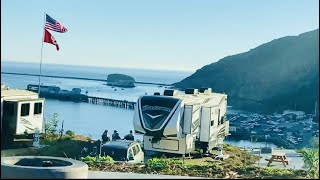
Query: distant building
[299, 114]
[290, 116]
[76, 90]
[289, 133]
[316, 110]
[21, 112]
[232, 128]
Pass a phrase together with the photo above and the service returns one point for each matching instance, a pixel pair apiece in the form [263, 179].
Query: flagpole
[44, 21]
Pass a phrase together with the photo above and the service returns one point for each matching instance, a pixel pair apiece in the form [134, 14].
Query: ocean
[84, 118]
[89, 119]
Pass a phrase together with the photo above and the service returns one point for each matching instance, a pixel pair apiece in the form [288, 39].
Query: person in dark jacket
[105, 137]
[115, 135]
[129, 136]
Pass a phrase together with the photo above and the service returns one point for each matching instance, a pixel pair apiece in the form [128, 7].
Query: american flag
[54, 25]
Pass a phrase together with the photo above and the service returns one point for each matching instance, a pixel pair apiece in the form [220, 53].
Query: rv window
[135, 150]
[219, 120]
[25, 109]
[222, 119]
[37, 108]
[131, 153]
[212, 123]
[138, 147]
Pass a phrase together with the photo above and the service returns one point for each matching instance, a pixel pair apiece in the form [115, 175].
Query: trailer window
[219, 120]
[116, 154]
[25, 108]
[37, 108]
[136, 149]
[131, 153]
[223, 119]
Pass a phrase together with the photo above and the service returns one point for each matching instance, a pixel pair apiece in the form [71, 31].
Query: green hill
[281, 74]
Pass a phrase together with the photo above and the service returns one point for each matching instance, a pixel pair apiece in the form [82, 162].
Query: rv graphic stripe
[155, 110]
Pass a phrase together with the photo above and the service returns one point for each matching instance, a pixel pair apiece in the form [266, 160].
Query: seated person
[129, 136]
[105, 136]
[115, 135]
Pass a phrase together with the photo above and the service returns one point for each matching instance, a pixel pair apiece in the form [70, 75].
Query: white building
[232, 128]
[21, 112]
[299, 114]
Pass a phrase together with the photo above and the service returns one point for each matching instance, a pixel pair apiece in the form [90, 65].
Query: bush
[106, 159]
[50, 127]
[70, 133]
[311, 159]
[157, 163]
[89, 138]
[103, 159]
[88, 159]
[276, 172]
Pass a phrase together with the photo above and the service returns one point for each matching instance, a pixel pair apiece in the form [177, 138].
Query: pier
[111, 102]
[54, 92]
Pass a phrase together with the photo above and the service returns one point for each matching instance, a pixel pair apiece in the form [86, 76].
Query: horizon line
[82, 65]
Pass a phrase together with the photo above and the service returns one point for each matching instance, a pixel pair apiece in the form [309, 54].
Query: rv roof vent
[156, 93]
[191, 91]
[170, 92]
[205, 90]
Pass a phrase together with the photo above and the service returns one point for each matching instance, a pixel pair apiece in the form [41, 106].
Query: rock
[120, 80]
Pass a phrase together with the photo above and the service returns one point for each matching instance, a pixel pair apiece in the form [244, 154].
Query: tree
[50, 127]
[311, 158]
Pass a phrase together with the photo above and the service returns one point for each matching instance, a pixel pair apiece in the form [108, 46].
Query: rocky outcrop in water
[120, 80]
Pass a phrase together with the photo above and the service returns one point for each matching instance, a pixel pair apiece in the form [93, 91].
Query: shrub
[311, 159]
[70, 133]
[106, 159]
[50, 127]
[89, 138]
[88, 159]
[276, 172]
[91, 160]
[157, 163]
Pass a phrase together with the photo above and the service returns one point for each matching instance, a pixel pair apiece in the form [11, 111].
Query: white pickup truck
[123, 151]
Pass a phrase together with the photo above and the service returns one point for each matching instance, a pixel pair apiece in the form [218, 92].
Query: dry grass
[238, 165]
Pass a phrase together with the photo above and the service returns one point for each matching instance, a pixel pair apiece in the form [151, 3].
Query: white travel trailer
[180, 123]
[21, 113]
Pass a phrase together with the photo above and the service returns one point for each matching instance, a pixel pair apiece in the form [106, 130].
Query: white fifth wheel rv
[21, 113]
[180, 123]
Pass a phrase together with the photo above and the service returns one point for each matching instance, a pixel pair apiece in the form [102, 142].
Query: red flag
[48, 38]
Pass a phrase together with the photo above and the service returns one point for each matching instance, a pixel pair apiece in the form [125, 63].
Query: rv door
[191, 120]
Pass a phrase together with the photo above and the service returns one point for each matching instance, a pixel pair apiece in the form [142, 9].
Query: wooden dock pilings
[111, 102]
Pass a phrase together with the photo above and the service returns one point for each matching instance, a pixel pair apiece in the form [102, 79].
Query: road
[120, 175]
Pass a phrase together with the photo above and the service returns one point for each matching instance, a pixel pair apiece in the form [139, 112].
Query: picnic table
[278, 157]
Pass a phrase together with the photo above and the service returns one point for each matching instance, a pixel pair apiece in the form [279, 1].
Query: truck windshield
[116, 154]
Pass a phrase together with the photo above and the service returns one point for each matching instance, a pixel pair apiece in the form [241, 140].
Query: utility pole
[315, 109]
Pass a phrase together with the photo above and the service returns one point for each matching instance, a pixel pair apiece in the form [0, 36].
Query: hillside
[274, 76]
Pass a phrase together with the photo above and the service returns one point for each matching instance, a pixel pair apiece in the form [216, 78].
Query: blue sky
[166, 34]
